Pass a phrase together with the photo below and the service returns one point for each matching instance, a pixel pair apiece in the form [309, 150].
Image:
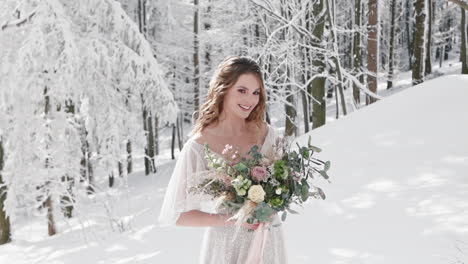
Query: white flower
[278, 191]
[241, 192]
[256, 193]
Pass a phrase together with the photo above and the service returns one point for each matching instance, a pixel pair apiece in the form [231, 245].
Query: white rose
[256, 193]
[278, 191]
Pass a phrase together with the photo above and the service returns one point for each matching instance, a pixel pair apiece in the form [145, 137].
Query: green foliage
[263, 212]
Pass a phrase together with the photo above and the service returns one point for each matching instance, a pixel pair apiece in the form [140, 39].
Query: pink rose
[258, 173]
[226, 179]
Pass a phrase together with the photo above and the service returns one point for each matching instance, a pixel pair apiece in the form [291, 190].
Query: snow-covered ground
[399, 194]
[400, 182]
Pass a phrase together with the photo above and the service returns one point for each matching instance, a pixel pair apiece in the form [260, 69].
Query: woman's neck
[229, 125]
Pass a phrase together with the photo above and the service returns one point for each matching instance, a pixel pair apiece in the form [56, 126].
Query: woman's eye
[257, 93]
[241, 90]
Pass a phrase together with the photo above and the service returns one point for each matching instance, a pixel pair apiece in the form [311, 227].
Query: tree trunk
[463, 55]
[409, 28]
[290, 109]
[111, 179]
[196, 61]
[156, 135]
[207, 27]
[336, 59]
[428, 63]
[179, 132]
[173, 141]
[289, 106]
[306, 74]
[373, 49]
[50, 217]
[86, 168]
[391, 45]
[318, 63]
[418, 49]
[150, 142]
[129, 157]
[48, 203]
[145, 128]
[67, 199]
[5, 226]
[357, 55]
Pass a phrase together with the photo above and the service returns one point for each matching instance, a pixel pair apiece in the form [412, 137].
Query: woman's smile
[245, 107]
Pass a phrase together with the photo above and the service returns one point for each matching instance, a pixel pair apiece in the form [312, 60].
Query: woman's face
[243, 96]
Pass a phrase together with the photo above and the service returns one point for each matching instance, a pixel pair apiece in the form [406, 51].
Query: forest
[88, 87]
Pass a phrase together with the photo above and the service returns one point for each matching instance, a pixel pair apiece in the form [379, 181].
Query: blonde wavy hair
[225, 76]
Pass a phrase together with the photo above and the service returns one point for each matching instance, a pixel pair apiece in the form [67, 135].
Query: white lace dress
[219, 245]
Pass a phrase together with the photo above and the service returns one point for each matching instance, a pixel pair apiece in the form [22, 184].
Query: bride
[233, 114]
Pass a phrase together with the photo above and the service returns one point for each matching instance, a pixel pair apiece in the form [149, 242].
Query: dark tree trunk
[173, 141]
[145, 128]
[111, 179]
[48, 202]
[372, 49]
[318, 83]
[409, 29]
[428, 63]
[129, 157]
[391, 45]
[418, 48]
[463, 53]
[151, 145]
[5, 226]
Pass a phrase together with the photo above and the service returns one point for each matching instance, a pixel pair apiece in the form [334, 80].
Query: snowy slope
[400, 182]
[399, 194]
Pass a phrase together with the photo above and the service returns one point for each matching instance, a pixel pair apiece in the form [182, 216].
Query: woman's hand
[251, 226]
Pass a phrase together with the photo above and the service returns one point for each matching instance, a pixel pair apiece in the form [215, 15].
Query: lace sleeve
[188, 168]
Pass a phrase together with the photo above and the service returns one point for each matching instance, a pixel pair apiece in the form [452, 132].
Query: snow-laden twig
[18, 22]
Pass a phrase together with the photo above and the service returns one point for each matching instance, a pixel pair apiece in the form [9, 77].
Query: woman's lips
[244, 109]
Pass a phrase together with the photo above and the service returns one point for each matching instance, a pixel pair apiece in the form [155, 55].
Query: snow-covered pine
[91, 55]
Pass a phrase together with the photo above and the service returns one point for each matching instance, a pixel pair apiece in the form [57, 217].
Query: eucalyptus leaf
[283, 216]
[240, 166]
[316, 149]
[305, 192]
[324, 174]
[327, 165]
[291, 211]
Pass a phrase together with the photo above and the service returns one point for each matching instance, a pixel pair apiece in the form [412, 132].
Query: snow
[399, 194]
[399, 187]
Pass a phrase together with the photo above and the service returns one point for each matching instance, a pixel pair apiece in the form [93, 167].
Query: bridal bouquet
[255, 188]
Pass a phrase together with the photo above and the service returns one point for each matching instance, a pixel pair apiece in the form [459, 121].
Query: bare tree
[373, 48]
[391, 44]
[418, 41]
[428, 63]
[463, 55]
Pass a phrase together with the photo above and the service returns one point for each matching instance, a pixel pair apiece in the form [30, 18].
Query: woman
[232, 114]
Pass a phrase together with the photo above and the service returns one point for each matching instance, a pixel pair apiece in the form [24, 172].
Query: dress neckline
[220, 155]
